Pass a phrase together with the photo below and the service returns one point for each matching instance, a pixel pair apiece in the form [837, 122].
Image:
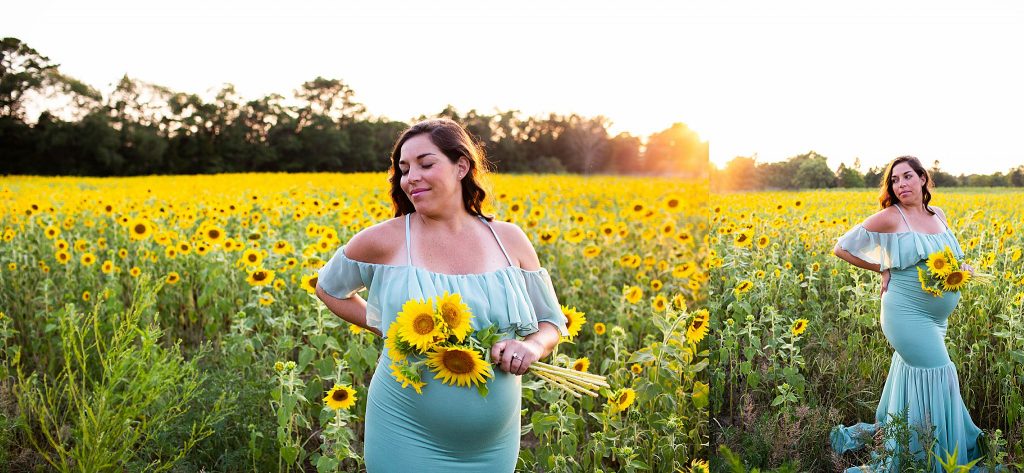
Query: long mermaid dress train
[922, 379]
[446, 428]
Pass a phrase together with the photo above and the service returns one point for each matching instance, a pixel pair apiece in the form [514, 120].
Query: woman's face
[906, 184]
[429, 179]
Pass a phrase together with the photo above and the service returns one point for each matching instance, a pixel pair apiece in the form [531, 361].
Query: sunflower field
[798, 347]
[168, 323]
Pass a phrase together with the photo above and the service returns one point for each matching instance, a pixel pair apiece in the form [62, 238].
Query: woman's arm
[515, 356]
[351, 310]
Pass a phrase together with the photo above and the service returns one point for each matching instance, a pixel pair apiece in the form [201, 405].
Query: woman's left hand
[967, 267]
[515, 356]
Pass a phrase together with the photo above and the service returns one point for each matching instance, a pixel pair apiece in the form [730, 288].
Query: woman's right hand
[885, 281]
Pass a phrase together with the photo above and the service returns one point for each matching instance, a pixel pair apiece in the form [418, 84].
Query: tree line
[811, 171]
[142, 128]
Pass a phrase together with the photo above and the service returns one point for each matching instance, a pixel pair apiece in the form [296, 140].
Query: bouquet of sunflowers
[943, 274]
[436, 334]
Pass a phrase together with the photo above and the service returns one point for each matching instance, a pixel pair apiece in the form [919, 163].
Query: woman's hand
[885, 281]
[967, 267]
[516, 356]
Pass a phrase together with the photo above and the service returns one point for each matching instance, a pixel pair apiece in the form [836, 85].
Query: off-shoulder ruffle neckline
[943, 232]
[435, 273]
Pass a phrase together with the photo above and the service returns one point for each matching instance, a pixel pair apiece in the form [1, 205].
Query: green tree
[848, 177]
[812, 171]
[740, 173]
[22, 71]
[873, 176]
[941, 178]
[677, 150]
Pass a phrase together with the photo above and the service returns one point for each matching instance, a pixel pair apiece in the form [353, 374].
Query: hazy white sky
[937, 79]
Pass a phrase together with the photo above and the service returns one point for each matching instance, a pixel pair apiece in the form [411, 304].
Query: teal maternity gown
[922, 378]
[447, 428]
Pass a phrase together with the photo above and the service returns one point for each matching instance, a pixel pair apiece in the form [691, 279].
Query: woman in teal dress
[922, 379]
[440, 241]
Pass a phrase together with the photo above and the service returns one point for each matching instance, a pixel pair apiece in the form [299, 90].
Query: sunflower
[798, 327]
[659, 304]
[582, 364]
[173, 277]
[63, 257]
[636, 368]
[599, 328]
[213, 234]
[633, 294]
[699, 466]
[683, 270]
[140, 229]
[456, 315]
[309, 282]
[404, 374]
[135, 271]
[418, 325]
[458, 365]
[266, 299]
[743, 287]
[698, 326]
[955, 280]
[398, 349]
[260, 277]
[939, 265]
[623, 399]
[252, 257]
[743, 239]
[340, 397]
[574, 321]
[591, 251]
[282, 247]
[88, 259]
[672, 202]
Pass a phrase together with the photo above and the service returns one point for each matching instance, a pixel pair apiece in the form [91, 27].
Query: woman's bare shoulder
[887, 220]
[517, 244]
[940, 213]
[378, 243]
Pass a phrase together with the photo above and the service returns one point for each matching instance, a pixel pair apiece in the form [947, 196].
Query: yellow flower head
[575, 320]
[260, 277]
[582, 364]
[455, 314]
[418, 325]
[633, 294]
[406, 375]
[458, 366]
[623, 399]
[309, 282]
[173, 277]
[939, 264]
[340, 397]
[955, 280]
[398, 349]
[799, 326]
[698, 326]
[599, 328]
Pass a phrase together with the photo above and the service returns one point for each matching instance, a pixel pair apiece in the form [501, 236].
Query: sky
[938, 79]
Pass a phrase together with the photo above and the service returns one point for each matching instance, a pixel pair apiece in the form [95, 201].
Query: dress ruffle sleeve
[878, 248]
[545, 304]
[342, 277]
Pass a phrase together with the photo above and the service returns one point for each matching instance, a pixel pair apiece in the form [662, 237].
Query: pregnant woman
[439, 241]
[922, 379]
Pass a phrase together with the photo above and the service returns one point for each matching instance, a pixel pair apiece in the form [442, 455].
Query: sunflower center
[252, 258]
[623, 398]
[140, 228]
[939, 264]
[214, 234]
[697, 324]
[458, 362]
[673, 203]
[313, 281]
[340, 395]
[450, 314]
[423, 324]
[259, 275]
[954, 278]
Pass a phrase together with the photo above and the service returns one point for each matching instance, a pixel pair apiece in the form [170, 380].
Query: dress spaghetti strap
[408, 242]
[498, 240]
[904, 216]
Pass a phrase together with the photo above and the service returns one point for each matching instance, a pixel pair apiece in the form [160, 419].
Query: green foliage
[117, 396]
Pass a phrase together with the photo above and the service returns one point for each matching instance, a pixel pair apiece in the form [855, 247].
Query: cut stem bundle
[572, 381]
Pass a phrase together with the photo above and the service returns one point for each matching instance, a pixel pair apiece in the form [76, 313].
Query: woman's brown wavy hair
[886, 196]
[454, 142]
